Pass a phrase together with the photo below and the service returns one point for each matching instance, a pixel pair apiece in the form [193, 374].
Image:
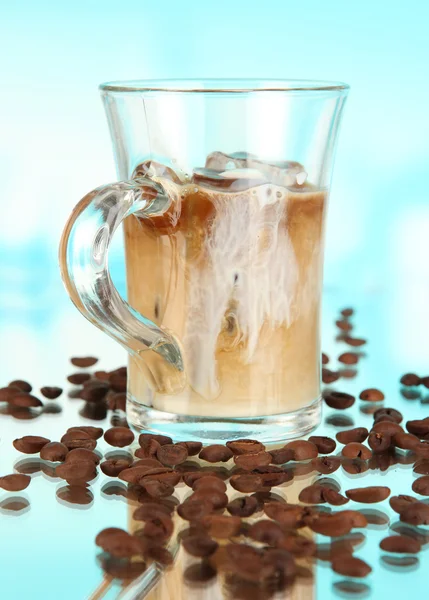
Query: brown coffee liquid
[234, 271]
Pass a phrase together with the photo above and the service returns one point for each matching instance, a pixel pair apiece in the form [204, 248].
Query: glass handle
[84, 268]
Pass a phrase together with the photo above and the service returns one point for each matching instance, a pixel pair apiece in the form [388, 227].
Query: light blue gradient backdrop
[54, 147]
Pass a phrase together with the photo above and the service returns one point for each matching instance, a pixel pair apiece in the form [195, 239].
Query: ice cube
[235, 180]
[159, 170]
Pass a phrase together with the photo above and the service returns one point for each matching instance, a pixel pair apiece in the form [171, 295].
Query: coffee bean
[133, 474]
[333, 497]
[116, 401]
[388, 412]
[172, 454]
[221, 526]
[324, 444]
[399, 503]
[358, 434]
[298, 545]
[161, 439]
[325, 359]
[421, 485]
[24, 400]
[51, 392]
[290, 516]
[219, 500]
[199, 545]
[356, 450]
[302, 449]
[157, 489]
[371, 395]
[54, 452]
[369, 495]
[118, 542]
[326, 464]
[272, 476]
[161, 474]
[332, 525]
[421, 467]
[78, 439]
[30, 444]
[329, 376]
[312, 494]
[387, 427]
[83, 361]
[281, 456]
[244, 507]
[349, 358]
[7, 393]
[246, 483]
[199, 573]
[160, 528]
[15, 482]
[78, 378]
[410, 379]
[193, 448]
[422, 449]
[405, 441]
[209, 481]
[379, 442]
[338, 400]
[76, 471]
[266, 532]
[424, 381]
[94, 433]
[216, 453]
[112, 468]
[94, 391]
[344, 325]
[119, 436]
[118, 382]
[418, 427]
[350, 566]
[189, 478]
[401, 544]
[353, 341]
[347, 312]
[416, 513]
[283, 565]
[150, 510]
[245, 446]
[195, 509]
[148, 448]
[22, 385]
[248, 462]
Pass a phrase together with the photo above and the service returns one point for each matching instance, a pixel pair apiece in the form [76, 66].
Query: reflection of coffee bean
[358, 434]
[388, 412]
[400, 544]
[338, 400]
[15, 482]
[371, 395]
[354, 466]
[302, 449]
[350, 566]
[248, 462]
[221, 526]
[245, 446]
[119, 436]
[324, 444]
[369, 494]
[150, 510]
[410, 379]
[199, 545]
[51, 392]
[281, 456]
[344, 325]
[75, 494]
[199, 573]
[94, 391]
[216, 453]
[193, 448]
[116, 401]
[246, 562]
[30, 444]
[172, 454]
[112, 468]
[356, 450]
[245, 506]
[161, 439]
[329, 376]
[54, 452]
[326, 464]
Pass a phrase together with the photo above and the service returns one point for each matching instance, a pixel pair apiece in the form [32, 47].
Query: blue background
[54, 148]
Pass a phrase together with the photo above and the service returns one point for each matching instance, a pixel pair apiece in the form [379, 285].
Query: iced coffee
[233, 270]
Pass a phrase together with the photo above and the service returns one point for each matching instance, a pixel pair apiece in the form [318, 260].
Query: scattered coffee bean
[388, 412]
[326, 464]
[7, 393]
[302, 449]
[281, 456]
[352, 341]
[149, 511]
[349, 358]
[195, 509]
[358, 434]
[421, 485]
[209, 481]
[118, 542]
[148, 448]
[419, 427]
[312, 494]
[24, 400]
[272, 476]
[329, 376]
[51, 392]
[216, 453]
[354, 466]
[247, 562]
[387, 427]
[422, 449]
[199, 573]
[248, 462]
[350, 566]
[416, 513]
[425, 381]
[219, 500]
[266, 532]
[338, 400]
[94, 391]
[401, 544]
[15, 482]
[199, 545]
[245, 446]
[112, 468]
[161, 439]
[54, 452]
[243, 507]
[344, 325]
[332, 525]
[193, 448]
[347, 312]
[83, 361]
[165, 474]
[30, 444]
[189, 478]
[22, 385]
[78, 378]
[356, 450]
[379, 442]
[246, 483]
[78, 439]
[324, 445]
[172, 454]
[410, 379]
[119, 436]
[298, 545]
[369, 494]
[421, 467]
[405, 441]
[94, 433]
[116, 401]
[76, 471]
[157, 489]
[325, 359]
[371, 395]
[333, 497]
[399, 503]
[221, 526]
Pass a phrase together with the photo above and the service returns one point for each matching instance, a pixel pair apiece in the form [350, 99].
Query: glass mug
[223, 194]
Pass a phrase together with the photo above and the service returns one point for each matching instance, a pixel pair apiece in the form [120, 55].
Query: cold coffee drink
[233, 271]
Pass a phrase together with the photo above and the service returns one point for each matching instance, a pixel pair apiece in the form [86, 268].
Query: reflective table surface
[48, 530]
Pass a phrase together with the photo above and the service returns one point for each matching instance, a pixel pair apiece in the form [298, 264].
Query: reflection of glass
[223, 203]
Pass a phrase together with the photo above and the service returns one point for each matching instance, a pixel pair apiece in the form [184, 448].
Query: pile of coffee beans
[257, 538]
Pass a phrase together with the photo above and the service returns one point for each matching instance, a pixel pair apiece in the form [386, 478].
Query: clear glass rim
[223, 86]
